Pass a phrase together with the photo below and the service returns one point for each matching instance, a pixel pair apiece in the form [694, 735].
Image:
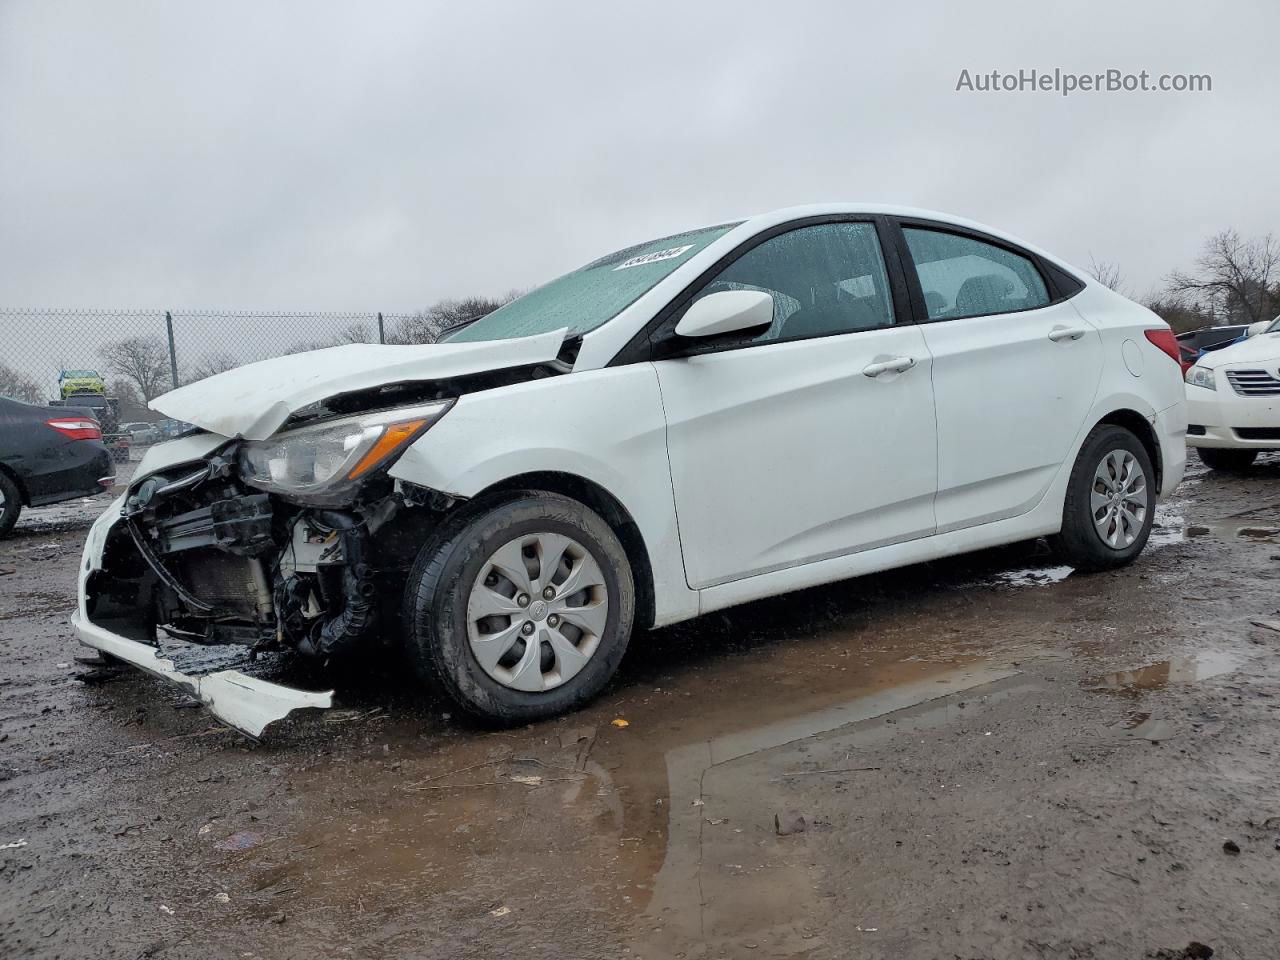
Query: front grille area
[1254, 383]
[1258, 433]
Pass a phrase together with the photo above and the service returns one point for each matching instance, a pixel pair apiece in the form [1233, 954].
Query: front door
[814, 438]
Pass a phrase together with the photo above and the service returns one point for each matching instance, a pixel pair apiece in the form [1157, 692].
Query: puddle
[1190, 669]
[493, 820]
[1169, 525]
[1172, 526]
[716, 812]
[1143, 726]
[1236, 531]
[1032, 576]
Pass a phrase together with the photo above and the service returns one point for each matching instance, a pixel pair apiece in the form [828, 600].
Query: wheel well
[1138, 425]
[614, 513]
[23, 496]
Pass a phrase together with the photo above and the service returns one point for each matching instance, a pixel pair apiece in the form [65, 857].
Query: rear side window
[963, 277]
[824, 279]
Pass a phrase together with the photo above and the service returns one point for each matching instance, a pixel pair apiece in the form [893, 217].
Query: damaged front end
[300, 543]
[222, 563]
[279, 528]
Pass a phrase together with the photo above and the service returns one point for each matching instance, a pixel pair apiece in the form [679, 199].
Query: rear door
[1015, 370]
[814, 438]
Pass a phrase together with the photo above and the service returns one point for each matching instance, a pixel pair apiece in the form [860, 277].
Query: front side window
[824, 279]
[964, 277]
[594, 294]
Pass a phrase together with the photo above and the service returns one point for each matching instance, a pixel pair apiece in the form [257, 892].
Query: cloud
[384, 155]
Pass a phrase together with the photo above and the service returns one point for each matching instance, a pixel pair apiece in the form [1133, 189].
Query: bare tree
[130, 404]
[18, 386]
[209, 365]
[1235, 279]
[425, 326]
[1180, 315]
[143, 361]
[358, 332]
[1108, 274]
[352, 333]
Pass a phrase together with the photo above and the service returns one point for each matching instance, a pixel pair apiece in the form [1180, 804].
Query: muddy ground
[987, 757]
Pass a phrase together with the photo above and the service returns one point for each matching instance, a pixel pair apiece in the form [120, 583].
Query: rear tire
[1231, 461]
[1110, 503]
[460, 607]
[10, 504]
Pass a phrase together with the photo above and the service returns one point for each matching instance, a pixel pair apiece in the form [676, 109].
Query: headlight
[1201, 377]
[323, 459]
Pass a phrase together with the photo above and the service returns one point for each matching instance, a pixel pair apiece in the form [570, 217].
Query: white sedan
[686, 424]
[1233, 400]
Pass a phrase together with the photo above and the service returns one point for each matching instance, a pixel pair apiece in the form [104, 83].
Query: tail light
[1168, 343]
[76, 428]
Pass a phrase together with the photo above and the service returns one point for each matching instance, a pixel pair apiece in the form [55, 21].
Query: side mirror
[1257, 328]
[729, 311]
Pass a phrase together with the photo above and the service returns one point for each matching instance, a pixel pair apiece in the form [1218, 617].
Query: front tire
[10, 504]
[521, 608]
[1230, 461]
[1110, 503]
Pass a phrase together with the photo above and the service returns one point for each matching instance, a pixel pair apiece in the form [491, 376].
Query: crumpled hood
[255, 400]
[1262, 348]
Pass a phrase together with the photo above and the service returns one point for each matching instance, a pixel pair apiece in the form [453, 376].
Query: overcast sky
[312, 155]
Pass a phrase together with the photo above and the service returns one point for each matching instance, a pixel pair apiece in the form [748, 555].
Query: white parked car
[686, 424]
[1233, 399]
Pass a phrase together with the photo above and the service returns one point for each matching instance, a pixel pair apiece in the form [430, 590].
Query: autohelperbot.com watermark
[1065, 82]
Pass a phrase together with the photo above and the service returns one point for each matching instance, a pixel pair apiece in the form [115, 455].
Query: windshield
[593, 294]
[1275, 326]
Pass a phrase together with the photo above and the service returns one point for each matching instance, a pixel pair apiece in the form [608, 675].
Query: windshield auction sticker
[668, 254]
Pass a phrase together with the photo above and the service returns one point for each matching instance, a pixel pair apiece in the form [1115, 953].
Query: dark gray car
[48, 454]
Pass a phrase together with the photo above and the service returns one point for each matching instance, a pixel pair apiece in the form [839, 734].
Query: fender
[606, 426]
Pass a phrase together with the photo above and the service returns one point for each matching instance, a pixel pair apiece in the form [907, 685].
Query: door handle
[1058, 334]
[896, 365]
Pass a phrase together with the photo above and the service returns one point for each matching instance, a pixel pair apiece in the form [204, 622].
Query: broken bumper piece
[244, 702]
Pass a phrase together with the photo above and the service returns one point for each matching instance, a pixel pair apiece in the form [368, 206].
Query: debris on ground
[789, 822]
[619, 722]
[500, 912]
[346, 716]
[1267, 624]
[1192, 951]
[239, 841]
[814, 773]
[584, 739]
[1231, 847]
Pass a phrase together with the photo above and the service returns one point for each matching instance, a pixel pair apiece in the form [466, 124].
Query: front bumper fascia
[244, 702]
[1222, 410]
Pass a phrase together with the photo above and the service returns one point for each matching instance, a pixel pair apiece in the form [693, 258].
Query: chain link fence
[140, 354]
[54, 355]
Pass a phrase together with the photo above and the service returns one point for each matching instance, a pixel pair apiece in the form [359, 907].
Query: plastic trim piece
[244, 702]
